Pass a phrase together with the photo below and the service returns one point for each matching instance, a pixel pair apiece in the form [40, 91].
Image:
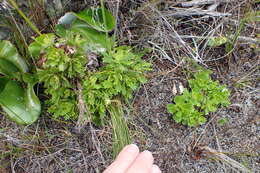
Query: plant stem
[33, 27]
[103, 13]
[121, 136]
[104, 17]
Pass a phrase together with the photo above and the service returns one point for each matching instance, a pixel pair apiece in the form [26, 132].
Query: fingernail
[156, 169]
[132, 148]
[147, 154]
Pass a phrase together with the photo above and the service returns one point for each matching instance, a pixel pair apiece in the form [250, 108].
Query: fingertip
[124, 159]
[148, 155]
[143, 163]
[156, 169]
[131, 148]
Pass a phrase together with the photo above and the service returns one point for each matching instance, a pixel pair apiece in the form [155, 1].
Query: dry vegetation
[173, 31]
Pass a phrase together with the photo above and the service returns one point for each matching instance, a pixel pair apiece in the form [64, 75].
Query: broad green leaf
[10, 60]
[217, 41]
[61, 31]
[203, 76]
[21, 105]
[67, 19]
[7, 68]
[179, 99]
[3, 82]
[94, 18]
[95, 40]
[171, 108]
[178, 117]
[30, 78]
[64, 23]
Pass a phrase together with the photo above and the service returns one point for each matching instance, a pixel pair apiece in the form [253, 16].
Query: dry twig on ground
[224, 158]
[202, 2]
[181, 12]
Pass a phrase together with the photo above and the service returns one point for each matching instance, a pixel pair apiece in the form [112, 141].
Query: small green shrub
[205, 96]
[83, 52]
[122, 73]
[59, 64]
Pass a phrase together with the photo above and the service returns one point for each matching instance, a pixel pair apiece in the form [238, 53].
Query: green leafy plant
[19, 102]
[59, 64]
[82, 53]
[64, 61]
[122, 74]
[205, 96]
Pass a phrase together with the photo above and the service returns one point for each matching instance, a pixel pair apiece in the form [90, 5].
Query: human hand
[130, 160]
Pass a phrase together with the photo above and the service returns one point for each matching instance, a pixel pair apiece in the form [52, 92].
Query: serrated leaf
[142, 79]
[107, 84]
[202, 119]
[203, 75]
[40, 43]
[54, 81]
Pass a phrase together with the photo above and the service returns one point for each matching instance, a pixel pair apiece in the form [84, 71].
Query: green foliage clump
[122, 73]
[63, 62]
[205, 96]
[59, 64]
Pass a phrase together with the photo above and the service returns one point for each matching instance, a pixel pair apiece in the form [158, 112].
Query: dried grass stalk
[224, 158]
[202, 2]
